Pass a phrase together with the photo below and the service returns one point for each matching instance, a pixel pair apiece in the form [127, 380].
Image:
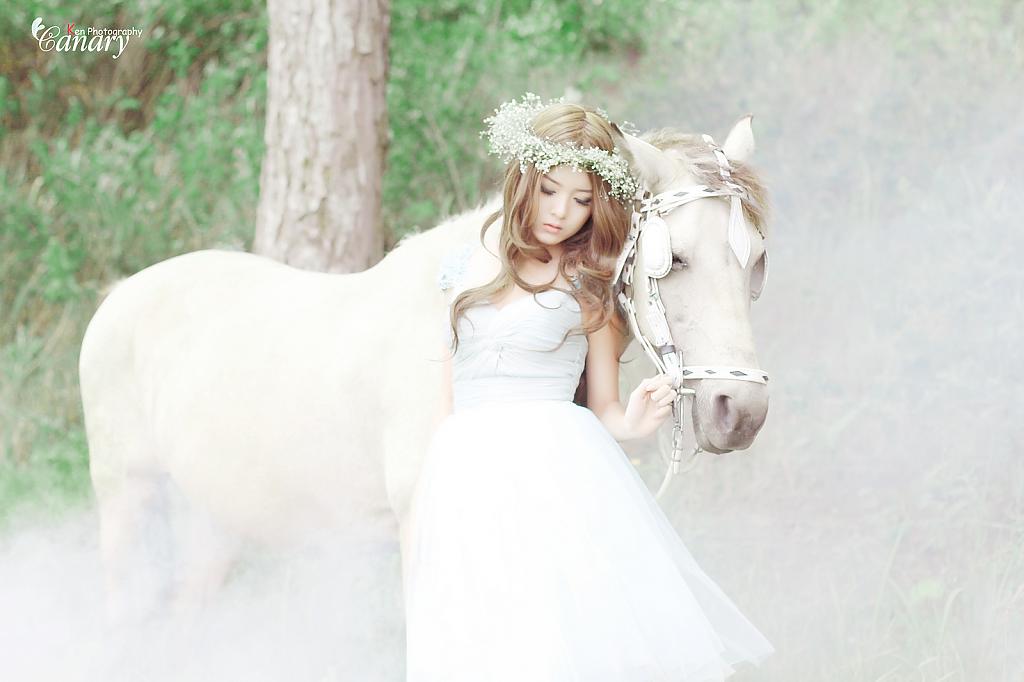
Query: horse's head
[699, 261]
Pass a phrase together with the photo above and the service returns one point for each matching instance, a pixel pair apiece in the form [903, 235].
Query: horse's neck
[417, 257]
[465, 227]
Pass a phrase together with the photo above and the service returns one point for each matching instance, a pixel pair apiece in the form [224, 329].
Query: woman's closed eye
[549, 192]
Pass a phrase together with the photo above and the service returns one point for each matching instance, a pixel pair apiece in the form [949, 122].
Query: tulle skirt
[539, 555]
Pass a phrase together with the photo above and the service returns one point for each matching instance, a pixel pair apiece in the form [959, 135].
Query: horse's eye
[679, 263]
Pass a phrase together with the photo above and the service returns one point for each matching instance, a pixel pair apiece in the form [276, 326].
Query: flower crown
[511, 136]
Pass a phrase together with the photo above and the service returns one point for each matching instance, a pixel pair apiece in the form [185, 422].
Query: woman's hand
[649, 405]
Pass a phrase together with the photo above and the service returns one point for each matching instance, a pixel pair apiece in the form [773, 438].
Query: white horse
[272, 403]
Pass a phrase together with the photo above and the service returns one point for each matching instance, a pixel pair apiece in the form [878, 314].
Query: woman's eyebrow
[548, 177]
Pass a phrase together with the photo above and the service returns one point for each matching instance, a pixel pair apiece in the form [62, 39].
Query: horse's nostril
[724, 414]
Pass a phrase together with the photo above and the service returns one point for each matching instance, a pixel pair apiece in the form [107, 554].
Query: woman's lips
[552, 228]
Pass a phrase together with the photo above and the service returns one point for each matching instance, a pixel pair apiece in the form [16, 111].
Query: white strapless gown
[539, 554]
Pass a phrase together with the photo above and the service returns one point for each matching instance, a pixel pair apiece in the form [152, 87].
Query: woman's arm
[603, 381]
[649, 404]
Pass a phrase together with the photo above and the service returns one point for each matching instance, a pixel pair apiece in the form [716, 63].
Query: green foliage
[453, 62]
[107, 167]
[110, 166]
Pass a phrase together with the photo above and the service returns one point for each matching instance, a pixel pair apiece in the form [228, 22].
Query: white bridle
[649, 230]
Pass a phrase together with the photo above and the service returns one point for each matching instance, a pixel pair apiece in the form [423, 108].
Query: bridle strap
[660, 348]
[739, 373]
[663, 203]
[667, 201]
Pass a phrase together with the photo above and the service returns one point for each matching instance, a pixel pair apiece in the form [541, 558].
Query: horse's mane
[704, 166]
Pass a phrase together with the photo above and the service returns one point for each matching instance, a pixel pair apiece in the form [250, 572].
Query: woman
[539, 555]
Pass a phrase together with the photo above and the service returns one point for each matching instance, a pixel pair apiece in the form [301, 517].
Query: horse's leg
[136, 563]
[405, 544]
[207, 553]
[401, 473]
[123, 458]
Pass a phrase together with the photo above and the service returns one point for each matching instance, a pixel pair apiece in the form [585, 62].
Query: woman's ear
[652, 166]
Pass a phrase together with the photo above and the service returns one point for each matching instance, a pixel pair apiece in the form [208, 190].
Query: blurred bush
[109, 166]
[455, 61]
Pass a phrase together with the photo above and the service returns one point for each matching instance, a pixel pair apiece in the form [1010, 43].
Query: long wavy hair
[590, 253]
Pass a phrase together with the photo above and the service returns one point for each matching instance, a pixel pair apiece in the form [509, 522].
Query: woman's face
[563, 203]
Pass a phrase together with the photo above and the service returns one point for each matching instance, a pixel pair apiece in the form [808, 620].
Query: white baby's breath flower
[511, 136]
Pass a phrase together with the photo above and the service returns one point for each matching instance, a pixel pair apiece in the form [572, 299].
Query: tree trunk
[326, 134]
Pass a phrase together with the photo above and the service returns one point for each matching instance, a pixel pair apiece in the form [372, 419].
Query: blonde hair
[591, 252]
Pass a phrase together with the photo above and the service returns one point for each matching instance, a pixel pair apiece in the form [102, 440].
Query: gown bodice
[513, 352]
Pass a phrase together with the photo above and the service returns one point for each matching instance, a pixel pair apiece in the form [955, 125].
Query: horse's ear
[739, 143]
[651, 165]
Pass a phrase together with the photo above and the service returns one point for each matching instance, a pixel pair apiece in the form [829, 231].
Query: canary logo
[90, 39]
